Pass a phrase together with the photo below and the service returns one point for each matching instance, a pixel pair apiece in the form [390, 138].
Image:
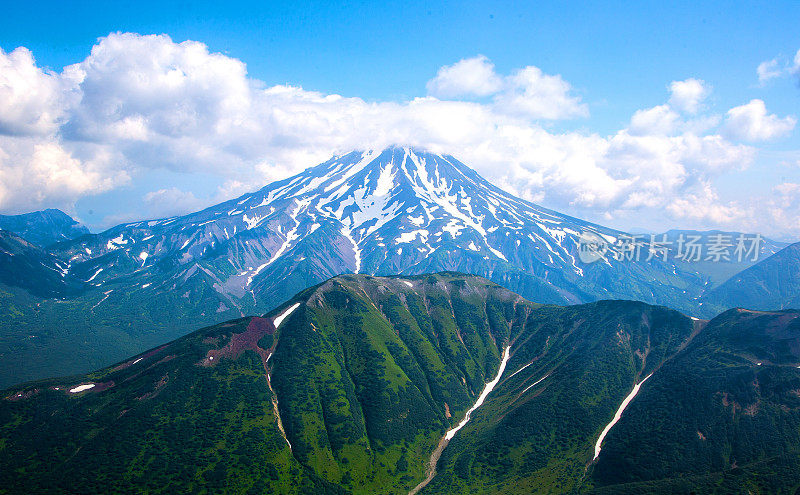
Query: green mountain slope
[27, 267]
[570, 369]
[351, 386]
[44, 337]
[365, 374]
[722, 417]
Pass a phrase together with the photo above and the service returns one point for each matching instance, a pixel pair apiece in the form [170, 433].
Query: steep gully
[277, 321]
[487, 389]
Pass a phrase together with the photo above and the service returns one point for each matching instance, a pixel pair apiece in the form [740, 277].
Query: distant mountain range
[719, 270]
[771, 284]
[388, 212]
[43, 228]
[441, 383]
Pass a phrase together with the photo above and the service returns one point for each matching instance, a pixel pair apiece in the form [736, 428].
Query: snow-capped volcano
[398, 210]
[401, 201]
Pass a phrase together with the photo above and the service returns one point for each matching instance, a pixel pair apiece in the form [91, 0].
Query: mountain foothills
[396, 211]
[370, 385]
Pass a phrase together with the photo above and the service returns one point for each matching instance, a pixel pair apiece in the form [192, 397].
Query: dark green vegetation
[46, 336]
[354, 389]
[537, 434]
[363, 395]
[722, 417]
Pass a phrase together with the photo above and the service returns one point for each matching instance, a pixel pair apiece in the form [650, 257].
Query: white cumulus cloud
[527, 92]
[660, 119]
[32, 101]
[532, 93]
[751, 122]
[782, 208]
[37, 171]
[138, 102]
[468, 77]
[704, 204]
[687, 95]
[768, 69]
[172, 201]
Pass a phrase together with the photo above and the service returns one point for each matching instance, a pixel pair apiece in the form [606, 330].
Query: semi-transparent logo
[690, 248]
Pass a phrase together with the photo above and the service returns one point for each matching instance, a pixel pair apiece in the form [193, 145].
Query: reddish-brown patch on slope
[99, 387]
[163, 360]
[752, 409]
[247, 340]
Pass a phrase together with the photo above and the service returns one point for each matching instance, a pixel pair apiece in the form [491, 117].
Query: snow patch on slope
[278, 320]
[618, 415]
[81, 388]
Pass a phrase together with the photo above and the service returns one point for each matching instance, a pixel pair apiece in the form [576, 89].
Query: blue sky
[618, 53]
[615, 58]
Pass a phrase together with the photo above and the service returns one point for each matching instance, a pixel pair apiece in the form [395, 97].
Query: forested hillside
[352, 385]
